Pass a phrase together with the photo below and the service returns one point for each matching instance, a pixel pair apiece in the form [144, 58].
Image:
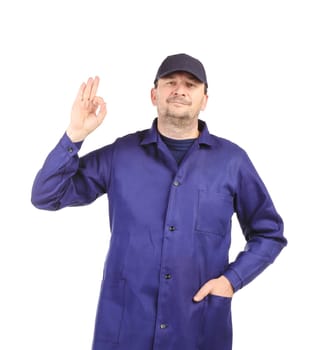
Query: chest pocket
[214, 212]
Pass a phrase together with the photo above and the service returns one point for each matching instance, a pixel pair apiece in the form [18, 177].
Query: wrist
[227, 285]
[75, 136]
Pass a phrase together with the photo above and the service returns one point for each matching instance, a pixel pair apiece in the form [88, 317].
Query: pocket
[110, 312]
[215, 210]
[217, 327]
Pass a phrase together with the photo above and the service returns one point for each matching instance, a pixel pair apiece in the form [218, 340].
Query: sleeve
[67, 180]
[261, 225]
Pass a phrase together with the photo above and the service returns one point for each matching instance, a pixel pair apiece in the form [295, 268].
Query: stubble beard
[178, 120]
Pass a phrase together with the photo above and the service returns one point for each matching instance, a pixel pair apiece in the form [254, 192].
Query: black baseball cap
[182, 63]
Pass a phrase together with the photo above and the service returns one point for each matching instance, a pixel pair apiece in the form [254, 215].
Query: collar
[151, 135]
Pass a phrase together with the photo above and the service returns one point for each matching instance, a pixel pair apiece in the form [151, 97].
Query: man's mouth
[178, 100]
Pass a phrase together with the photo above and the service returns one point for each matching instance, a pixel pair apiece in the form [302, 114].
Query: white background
[270, 66]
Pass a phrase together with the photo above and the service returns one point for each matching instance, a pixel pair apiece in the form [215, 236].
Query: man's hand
[88, 111]
[217, 286]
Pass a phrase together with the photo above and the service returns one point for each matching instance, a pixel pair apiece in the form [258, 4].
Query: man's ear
[154, 96]
[204, 103]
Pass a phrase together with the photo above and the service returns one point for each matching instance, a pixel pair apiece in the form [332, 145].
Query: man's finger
[203, 292]
[87, 91]
[94, 87]
[102, 111]
[81, 92]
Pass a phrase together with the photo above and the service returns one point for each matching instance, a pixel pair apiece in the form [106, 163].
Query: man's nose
[179, 89]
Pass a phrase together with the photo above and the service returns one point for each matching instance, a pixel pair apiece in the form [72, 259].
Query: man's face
[179, 96]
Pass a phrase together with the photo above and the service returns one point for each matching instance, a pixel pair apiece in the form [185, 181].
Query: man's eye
[190, 85]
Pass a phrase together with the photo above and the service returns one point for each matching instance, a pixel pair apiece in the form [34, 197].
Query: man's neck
[178, 132]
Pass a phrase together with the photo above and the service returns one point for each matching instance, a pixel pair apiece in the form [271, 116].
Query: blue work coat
[170, 233]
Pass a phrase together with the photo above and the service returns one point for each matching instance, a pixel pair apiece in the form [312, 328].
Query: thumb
[203, 292]
[100, 104]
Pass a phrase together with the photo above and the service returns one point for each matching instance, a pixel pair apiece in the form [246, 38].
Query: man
[172, 191]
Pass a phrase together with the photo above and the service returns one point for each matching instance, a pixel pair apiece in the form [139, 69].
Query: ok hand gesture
[88, 111]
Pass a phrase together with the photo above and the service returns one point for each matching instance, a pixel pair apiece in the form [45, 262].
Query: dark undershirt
[178, 148]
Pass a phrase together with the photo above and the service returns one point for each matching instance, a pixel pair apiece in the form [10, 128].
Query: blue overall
[170, 233]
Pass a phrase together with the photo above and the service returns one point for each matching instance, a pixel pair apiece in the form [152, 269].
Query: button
[176, 183]
[70, 149]
[167, 276]
[163, 326]
[172, 228]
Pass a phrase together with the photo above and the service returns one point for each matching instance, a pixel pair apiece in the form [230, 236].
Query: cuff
[234, 279]
[72, 148]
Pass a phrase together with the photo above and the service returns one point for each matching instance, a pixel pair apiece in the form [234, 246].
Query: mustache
[178, 99]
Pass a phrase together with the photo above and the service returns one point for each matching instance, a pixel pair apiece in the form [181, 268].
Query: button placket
[165, 297]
